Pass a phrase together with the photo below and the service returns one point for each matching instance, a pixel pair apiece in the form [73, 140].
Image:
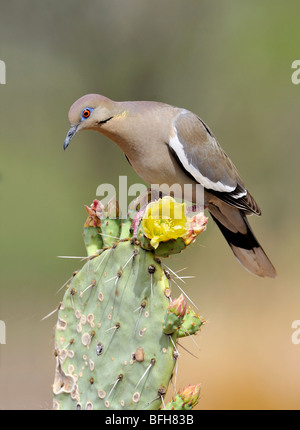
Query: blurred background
[229, 62]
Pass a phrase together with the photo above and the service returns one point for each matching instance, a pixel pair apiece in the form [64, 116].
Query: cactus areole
[117, 326]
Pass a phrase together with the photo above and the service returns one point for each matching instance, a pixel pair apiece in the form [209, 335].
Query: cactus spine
[115, 337]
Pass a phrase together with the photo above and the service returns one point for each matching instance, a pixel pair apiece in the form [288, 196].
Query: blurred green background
[229, 62]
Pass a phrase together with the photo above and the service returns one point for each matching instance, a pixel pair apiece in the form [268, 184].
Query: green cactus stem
[115, 337]
[191, 323]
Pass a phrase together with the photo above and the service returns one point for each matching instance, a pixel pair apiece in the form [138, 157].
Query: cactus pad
[111, 348]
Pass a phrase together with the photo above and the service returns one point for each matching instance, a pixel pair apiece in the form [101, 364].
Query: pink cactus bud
[97, 207]
[95, 212]
[178, 306]
[190, 394]
[196, 225]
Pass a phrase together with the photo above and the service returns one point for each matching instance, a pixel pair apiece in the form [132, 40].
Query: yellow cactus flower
[163, 220]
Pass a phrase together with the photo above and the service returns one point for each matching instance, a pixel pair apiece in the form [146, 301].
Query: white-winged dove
[170, 145]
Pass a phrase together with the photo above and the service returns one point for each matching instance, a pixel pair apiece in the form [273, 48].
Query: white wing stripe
[177, 146]
[240, 195]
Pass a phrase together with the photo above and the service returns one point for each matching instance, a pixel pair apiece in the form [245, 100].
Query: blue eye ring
[86, 113]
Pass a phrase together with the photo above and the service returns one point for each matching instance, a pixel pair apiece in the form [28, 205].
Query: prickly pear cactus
[115, 337]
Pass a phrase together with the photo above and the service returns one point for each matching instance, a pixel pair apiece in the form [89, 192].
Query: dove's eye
[86, 113]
